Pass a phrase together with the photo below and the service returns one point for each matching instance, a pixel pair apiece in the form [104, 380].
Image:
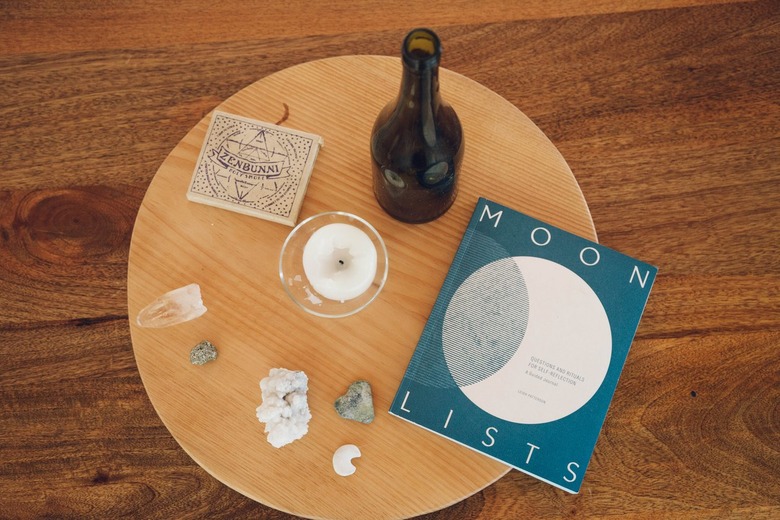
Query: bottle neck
[420, 89]
[419, 99]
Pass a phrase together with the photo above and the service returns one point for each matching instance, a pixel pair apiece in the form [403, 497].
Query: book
[254, 168]
[524, 346]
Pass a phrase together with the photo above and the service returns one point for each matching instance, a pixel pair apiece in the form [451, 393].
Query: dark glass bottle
[417, 141]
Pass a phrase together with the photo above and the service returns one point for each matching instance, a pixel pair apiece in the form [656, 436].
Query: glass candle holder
[333, 264]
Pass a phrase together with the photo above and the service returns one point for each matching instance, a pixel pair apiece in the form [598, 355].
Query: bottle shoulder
[394, 127]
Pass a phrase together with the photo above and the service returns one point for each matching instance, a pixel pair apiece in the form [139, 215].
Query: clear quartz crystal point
[174, 307]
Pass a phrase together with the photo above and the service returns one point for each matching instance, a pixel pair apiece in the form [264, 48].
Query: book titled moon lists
[524, 346]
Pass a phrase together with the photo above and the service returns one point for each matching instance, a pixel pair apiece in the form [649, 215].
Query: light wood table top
[404, 471]
[665, 111]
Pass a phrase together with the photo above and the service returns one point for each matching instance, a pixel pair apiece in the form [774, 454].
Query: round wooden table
[404, 471]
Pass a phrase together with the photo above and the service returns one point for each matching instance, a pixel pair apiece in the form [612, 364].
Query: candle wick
[342, 257]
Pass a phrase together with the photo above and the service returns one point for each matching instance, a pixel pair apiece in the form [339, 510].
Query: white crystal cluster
[285, 409]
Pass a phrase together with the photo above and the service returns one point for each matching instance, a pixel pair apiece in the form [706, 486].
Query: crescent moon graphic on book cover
[526, 340]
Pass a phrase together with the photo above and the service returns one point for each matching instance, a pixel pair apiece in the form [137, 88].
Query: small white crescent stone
[342, 459]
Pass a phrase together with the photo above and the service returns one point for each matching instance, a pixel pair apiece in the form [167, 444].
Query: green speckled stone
[357, 404]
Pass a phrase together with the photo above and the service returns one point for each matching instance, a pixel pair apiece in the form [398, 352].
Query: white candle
[340, 261]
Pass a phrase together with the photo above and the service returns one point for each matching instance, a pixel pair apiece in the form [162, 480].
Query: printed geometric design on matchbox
[254, 168]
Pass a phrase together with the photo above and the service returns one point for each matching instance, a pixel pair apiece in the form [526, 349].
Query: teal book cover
[522, 352]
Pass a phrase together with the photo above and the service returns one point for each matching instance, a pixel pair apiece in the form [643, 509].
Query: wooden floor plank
[46, 27]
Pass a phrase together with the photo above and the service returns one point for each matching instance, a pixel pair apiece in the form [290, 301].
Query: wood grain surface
[404, 471]
[666, 112]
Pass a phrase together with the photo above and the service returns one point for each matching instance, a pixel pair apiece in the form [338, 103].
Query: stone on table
[174, 307]
[203, 352]
[358, 403]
